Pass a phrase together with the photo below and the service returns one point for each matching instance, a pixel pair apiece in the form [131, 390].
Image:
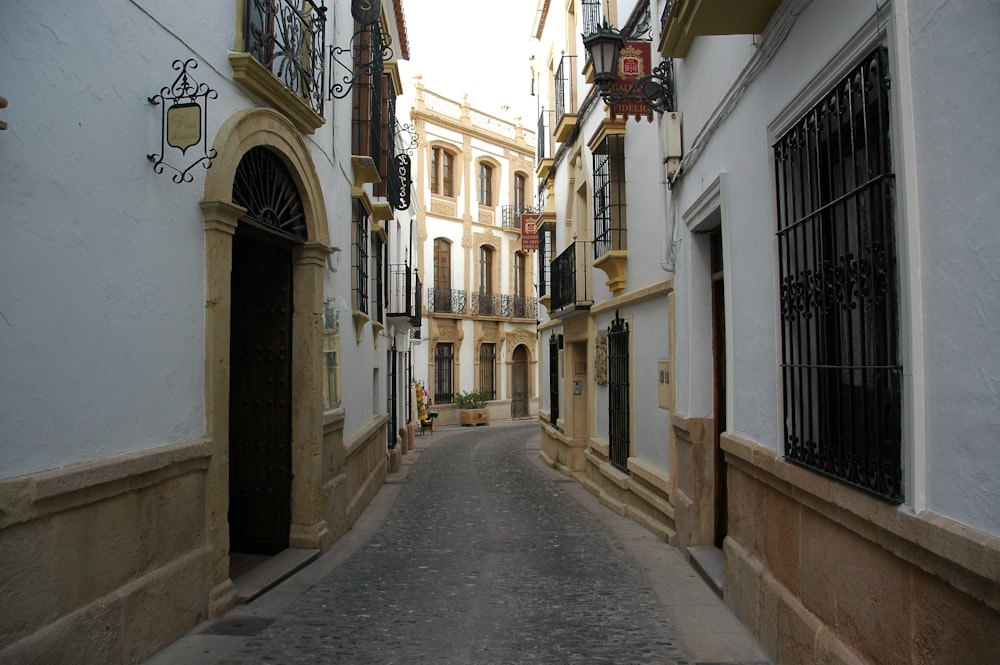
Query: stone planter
[469, 417]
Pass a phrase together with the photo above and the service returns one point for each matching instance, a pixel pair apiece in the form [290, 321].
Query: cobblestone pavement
[482, 559]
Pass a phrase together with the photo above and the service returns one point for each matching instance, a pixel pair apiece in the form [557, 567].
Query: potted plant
[472, 407]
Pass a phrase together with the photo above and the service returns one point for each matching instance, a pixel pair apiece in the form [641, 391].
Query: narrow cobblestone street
[483, 557]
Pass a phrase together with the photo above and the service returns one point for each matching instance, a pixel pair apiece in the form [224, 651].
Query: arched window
[441, 302]
[485, 184]
[442, 172]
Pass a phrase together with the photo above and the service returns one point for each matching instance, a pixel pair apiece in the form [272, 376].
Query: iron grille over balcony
[288, 38]
[446, 301]
[561, 84]
[544, 135]
[591, 16]
[570, 277]
[403, 298]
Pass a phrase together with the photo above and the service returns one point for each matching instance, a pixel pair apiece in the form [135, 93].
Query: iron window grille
[570, 277]
[387, 141]
[288, 38]
[555, 342]
[367, 117]
[546, 253]
[561, 88]
[544, 137]
[379, 249]
[392, 398]
[619, 437]
[360, 259]
[841, 373]
[487, 370]
[444, 358]
[609, 195]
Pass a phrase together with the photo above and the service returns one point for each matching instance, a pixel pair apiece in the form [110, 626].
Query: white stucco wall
[943, 57]
[102, 273]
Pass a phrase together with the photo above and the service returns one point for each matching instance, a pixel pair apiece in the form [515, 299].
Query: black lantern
[603, 47]
[655, 89]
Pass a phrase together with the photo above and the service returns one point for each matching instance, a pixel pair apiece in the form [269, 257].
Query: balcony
[565, 121]
[446, 301]
[503, 306]
[545, 152]
[404, 296]
[571, 279]
[282, 57]
[683, 20]
[511, 215]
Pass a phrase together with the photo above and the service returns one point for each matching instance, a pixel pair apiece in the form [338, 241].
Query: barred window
[609, 195]
[444, 358]
[359, 260]
[619, 436]
[841, 372]
[555, 341]
[487, 369]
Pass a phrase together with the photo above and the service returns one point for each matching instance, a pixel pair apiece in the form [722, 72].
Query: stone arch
[244, 130]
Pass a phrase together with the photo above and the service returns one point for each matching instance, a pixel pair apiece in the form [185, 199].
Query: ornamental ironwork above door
[264, 186]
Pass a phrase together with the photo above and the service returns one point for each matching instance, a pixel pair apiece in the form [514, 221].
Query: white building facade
[824, 366]
[178, 337]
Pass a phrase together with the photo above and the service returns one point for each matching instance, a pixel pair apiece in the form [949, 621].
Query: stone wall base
[824, 573]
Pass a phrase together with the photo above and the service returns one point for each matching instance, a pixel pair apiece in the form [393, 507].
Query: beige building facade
[474, 184]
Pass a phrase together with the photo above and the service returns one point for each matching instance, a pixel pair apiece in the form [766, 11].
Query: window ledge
[257, 79]
[614, 265]
[365, 170]
[360, 319]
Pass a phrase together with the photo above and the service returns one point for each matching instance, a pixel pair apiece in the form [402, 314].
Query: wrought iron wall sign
[183, 118]
[366, 12]
[365, 55]
[403, 182]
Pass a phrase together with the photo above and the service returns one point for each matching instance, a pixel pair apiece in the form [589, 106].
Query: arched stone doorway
[230, 234]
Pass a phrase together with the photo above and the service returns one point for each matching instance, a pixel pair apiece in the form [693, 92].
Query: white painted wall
[943, 58]
[102, 278]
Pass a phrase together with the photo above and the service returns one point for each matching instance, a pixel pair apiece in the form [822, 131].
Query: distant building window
[485, 184]
[442, 172]
[520, 183]
[444, 367]
[840, 365]
[487, 369]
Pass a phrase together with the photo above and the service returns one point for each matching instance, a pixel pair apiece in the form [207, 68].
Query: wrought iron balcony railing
[592, 16]
[561, 88]
[288, 37]
[544, 135]
[510, 216]
[446, 301]
[404, 293]
[571, 277]
[503, 306]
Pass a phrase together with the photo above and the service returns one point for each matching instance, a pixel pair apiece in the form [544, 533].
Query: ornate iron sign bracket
[183, 121]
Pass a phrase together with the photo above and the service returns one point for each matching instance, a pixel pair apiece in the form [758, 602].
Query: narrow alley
[478, 553]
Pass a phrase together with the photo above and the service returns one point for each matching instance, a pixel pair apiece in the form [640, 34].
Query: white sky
[473, 47]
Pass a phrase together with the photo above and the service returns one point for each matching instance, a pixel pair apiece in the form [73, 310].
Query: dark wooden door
[719, 366]
[519, 384]
[260, 397]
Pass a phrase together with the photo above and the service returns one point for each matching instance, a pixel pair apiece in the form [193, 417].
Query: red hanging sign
[635, 60]
[529, 231]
